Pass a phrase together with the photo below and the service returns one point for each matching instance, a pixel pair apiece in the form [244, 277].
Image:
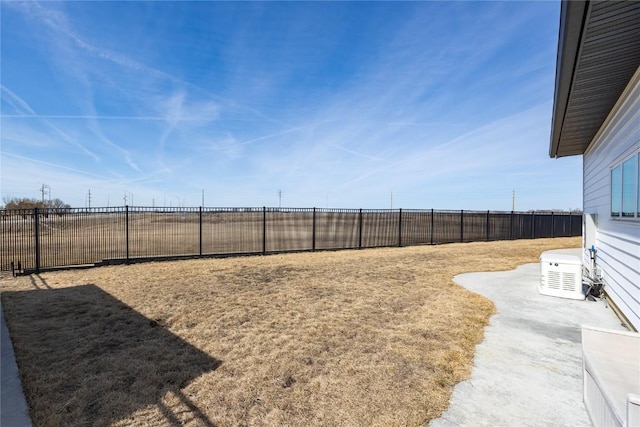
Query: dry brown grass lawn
[370, 337]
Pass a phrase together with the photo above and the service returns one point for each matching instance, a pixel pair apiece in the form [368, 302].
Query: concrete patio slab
[528, 369]
[13, 406]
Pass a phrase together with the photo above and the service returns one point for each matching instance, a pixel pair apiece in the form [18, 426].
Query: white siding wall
[617, 241]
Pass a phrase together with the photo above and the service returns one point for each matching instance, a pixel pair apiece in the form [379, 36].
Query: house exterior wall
[617, 241]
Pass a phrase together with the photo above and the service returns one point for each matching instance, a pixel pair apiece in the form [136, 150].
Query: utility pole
[125, 197]
[392, 199]
[89, 198]
[202, 198]
[45, 189]
[513, 200]
[279, 199]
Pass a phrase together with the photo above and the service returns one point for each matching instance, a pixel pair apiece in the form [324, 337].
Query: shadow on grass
[86, 358]
[40, 283]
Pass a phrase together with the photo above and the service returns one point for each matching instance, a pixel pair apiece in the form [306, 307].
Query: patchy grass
[370, 337]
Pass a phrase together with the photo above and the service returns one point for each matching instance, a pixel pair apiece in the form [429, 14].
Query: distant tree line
[26, 203]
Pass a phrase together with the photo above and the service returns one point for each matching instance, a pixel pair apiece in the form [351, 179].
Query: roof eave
[573, 16]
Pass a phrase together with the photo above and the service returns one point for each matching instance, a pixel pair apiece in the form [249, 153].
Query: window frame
[619, 168]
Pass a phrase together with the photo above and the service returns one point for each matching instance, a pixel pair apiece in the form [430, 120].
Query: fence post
[36, 224]
[200, 231]
[533, 224]
[400, 227]
[126, 227]
[511, 227]
[570, 224]
[360, 229]
[264, 230]
[488, 226]
[553, 225]
[462, 225]
[432, 226]
[313, 231]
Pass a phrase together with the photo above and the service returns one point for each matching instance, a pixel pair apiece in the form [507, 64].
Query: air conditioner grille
[569, 282]
[553, 281]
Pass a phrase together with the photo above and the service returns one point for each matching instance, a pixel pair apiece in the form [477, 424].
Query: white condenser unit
[561, 275]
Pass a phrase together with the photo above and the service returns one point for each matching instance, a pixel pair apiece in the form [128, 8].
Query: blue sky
[445, 105]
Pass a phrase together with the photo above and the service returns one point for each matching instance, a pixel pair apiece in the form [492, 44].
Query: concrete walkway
[528, 369]
[13, 406]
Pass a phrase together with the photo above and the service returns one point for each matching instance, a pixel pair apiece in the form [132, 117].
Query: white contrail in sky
[55, 165]
[85, 117]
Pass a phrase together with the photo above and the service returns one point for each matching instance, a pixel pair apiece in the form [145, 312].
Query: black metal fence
[34, 239]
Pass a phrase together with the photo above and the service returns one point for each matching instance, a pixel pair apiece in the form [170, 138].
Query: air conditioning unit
[561, 275]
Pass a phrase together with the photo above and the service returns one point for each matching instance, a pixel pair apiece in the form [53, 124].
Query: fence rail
[35, 239]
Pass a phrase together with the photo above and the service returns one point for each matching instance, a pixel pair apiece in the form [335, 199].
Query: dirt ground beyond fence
[375, 337]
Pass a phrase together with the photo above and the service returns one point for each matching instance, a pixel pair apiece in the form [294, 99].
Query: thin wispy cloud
[87, 117]
[21, 105]
[445, 104]
[48, 164]
[57, 22]
[355, 153]
[16, 102]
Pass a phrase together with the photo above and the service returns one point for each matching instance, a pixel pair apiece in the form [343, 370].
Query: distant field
[374, 337]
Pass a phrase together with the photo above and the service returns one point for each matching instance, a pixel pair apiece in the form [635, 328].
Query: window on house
[629, 178]
[625, 188]
[616, 190]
